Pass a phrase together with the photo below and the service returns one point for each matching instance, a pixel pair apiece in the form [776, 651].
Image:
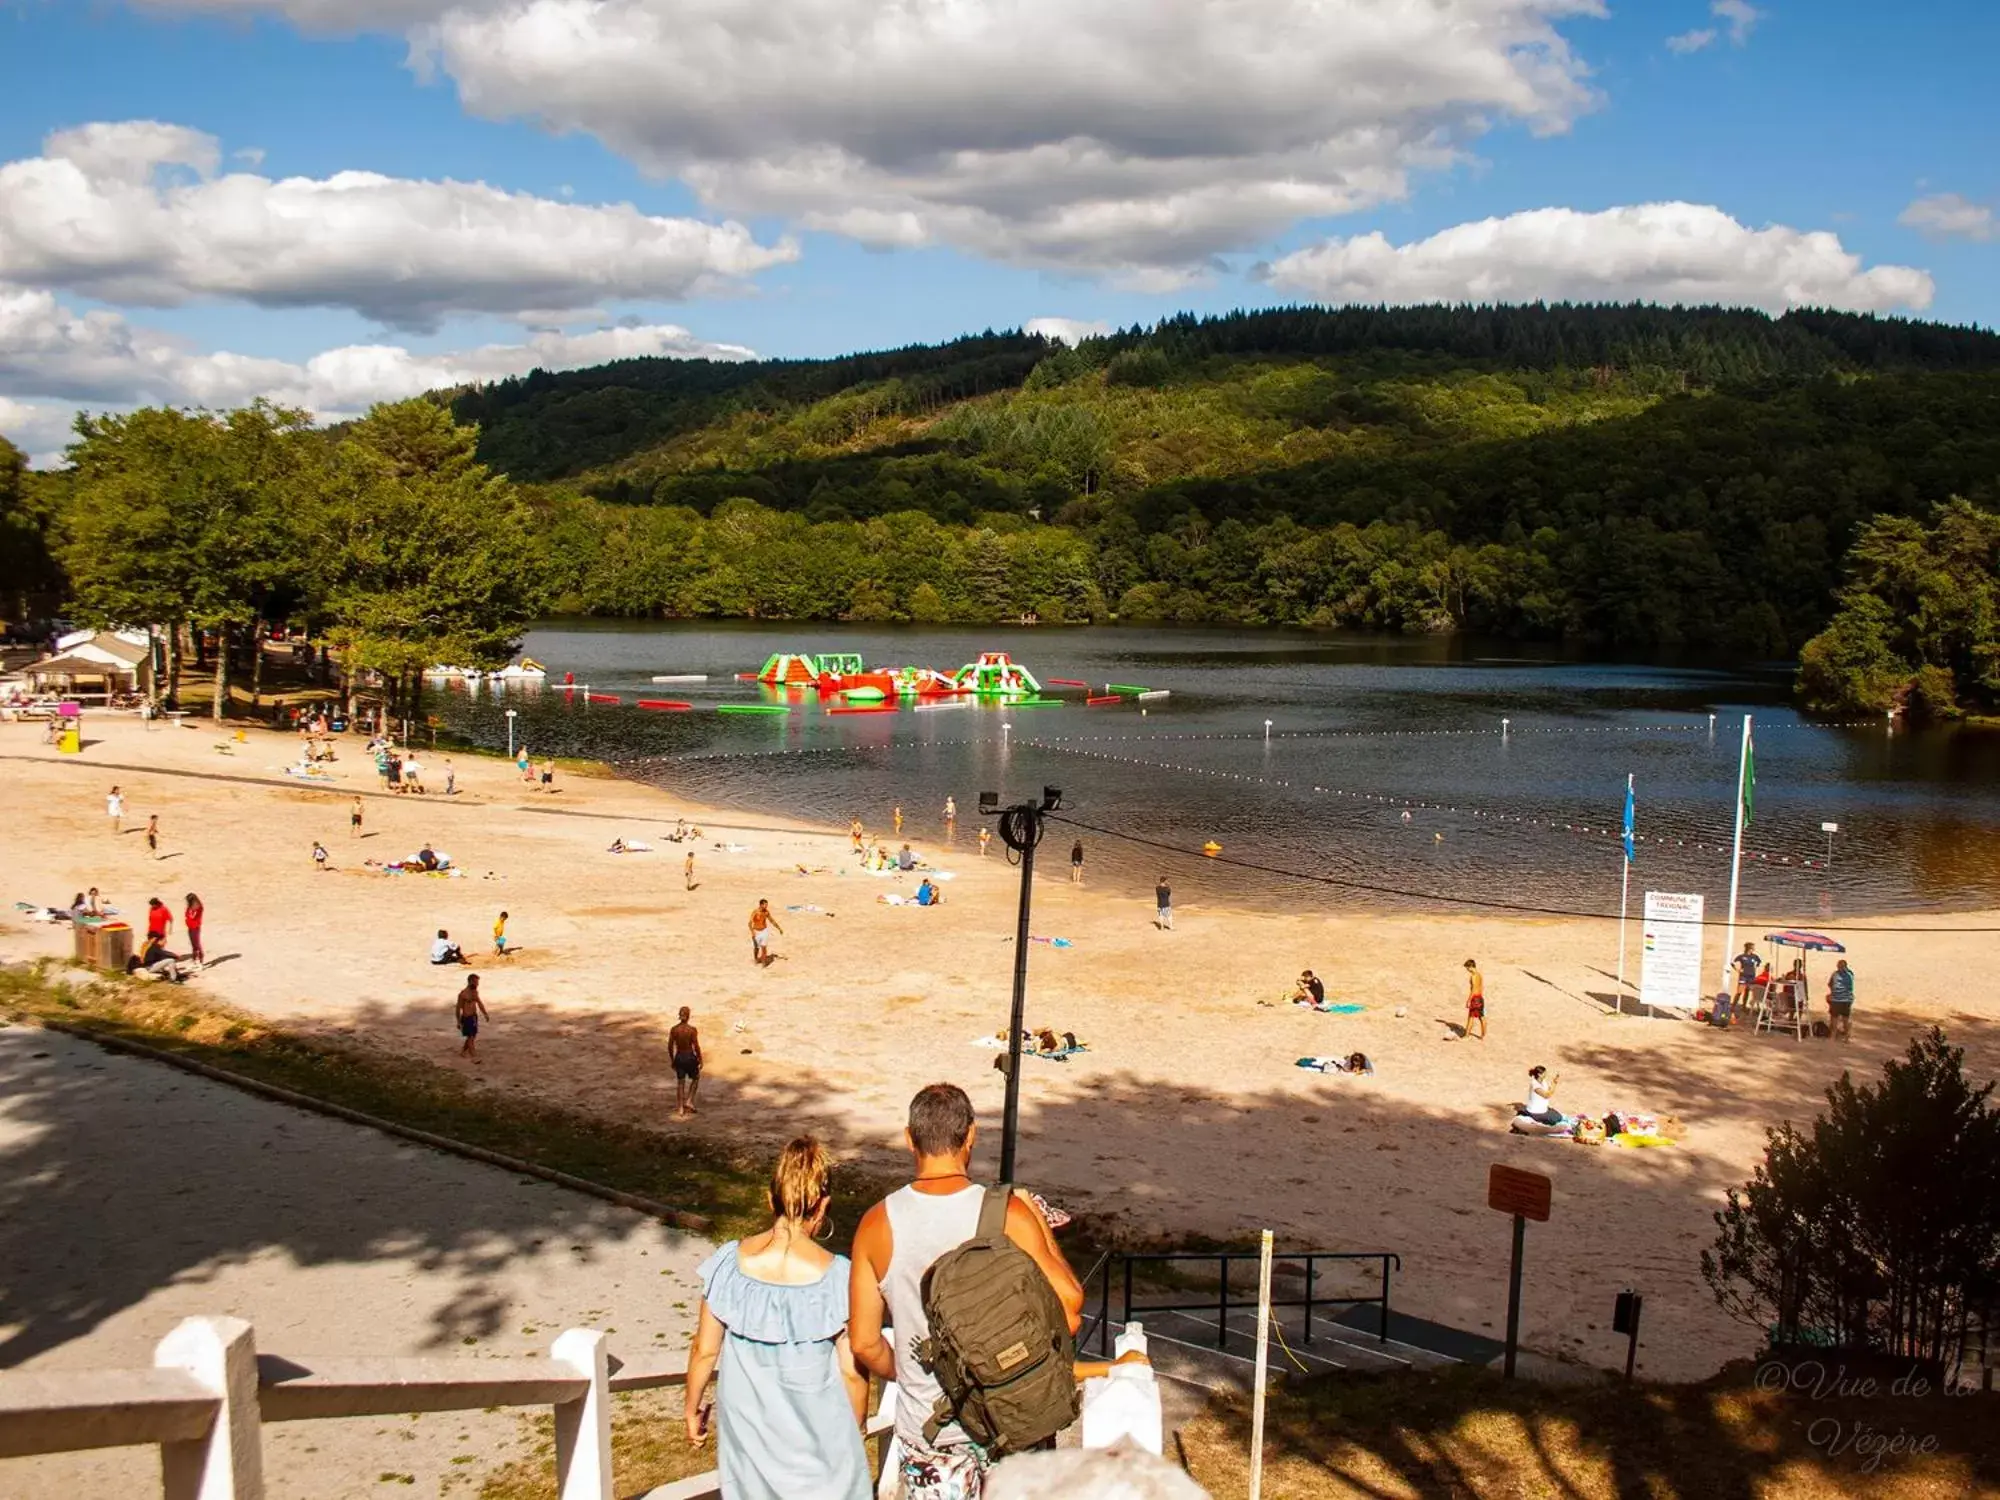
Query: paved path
[132, 1195]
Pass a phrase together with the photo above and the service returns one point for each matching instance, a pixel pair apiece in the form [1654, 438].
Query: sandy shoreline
[1187, 1115]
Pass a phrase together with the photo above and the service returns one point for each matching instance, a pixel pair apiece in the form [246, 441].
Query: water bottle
[1125, 1403]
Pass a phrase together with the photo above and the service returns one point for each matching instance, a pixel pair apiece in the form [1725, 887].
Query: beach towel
[818, 911]
[1525, 1126]
[630, 846]
[1330, 1008]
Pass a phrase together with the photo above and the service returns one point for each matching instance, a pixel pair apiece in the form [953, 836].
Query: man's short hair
[940, 1119]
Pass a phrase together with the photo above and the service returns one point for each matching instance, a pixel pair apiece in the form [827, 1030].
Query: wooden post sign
[1525, 1196]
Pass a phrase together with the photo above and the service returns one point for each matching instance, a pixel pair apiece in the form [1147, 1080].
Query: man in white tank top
[896, 1242]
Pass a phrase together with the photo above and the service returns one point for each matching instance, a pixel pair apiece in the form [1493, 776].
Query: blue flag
[1628, 817]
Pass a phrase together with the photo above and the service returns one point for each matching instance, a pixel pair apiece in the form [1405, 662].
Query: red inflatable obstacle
[665, 703]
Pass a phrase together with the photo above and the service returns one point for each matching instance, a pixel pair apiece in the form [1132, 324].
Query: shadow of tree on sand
[1459, 1434]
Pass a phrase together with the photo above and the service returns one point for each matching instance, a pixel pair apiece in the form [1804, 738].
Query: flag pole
[1624, 892]
[1736, 852]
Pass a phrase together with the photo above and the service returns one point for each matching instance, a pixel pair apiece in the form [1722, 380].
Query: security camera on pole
[1021, 831]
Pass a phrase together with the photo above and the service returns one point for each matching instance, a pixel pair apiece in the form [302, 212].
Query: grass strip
[686, 1179]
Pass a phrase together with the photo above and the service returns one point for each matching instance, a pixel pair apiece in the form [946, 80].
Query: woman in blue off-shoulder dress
[789, 1400]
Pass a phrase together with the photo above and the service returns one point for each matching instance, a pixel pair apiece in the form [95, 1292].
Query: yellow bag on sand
[1629, 1139]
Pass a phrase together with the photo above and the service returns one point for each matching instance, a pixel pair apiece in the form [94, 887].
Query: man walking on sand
[1163, 899]
[684, 1047]
[1475, 1000]
[761, 925]
[153, 835]
[896, 1242]
[471, 1010]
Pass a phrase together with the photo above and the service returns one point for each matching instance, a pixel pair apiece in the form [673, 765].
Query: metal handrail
[1220, 1303]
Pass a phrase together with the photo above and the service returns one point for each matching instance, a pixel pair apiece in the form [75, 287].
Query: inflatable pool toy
[1211, 848]
[996, 675]
[797, 669]
[752, 708]
[602, 698]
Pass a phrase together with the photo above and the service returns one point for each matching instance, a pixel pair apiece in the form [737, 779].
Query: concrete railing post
[228, 1463]
[583, 1426]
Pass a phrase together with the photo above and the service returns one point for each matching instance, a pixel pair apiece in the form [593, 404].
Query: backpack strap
[993, 1212]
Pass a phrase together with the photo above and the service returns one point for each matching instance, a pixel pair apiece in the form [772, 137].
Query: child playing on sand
[153, 834]
[319, 857]
[500, 934]
[687, 870]
[985, 838]
[354, 819]
[855, 833]
[1475, 1000]
[471, 1009]
[684, 1047]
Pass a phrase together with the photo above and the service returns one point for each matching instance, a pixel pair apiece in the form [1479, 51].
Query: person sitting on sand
[161, 964]
[1540, 1106]
[927, 894]
[1311, 989]
[427, 858]
[905, 860]
[445, 951]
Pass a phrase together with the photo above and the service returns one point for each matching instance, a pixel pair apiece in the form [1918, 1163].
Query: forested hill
[1632, 476]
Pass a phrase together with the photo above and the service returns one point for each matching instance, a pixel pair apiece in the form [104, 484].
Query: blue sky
[892, 182]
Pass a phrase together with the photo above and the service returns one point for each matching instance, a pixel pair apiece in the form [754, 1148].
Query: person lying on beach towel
[1354, 1062]
[630, 846]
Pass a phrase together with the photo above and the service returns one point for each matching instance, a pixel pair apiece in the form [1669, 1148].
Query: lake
[1393, 771]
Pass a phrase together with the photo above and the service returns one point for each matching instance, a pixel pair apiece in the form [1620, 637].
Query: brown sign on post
[1512, 1191]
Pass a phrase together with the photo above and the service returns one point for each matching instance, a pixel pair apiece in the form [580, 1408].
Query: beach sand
[1187, 1115]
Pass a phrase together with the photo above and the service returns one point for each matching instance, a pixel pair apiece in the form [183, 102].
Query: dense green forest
[1627, 476]
[1630, 477]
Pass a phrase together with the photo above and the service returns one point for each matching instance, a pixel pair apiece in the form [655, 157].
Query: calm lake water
[1362, 730]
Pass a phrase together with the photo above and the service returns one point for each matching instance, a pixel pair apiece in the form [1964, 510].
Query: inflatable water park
[844, 684]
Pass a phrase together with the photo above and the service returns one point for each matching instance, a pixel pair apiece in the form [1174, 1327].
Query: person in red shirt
[192, 922]
[159, 921]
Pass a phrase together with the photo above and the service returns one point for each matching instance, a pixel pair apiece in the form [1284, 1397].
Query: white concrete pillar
[583, 1426]
[227, 1464]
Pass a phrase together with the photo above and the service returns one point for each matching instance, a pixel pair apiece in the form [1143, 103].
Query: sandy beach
[1187, 1115]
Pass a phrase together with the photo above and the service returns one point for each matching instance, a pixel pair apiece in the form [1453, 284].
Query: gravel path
[132, 1195]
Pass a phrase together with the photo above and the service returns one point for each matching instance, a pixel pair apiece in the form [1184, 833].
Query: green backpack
[999, 1345]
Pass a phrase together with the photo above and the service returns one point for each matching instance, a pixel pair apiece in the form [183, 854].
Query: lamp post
[510, 734]
[1020, 830]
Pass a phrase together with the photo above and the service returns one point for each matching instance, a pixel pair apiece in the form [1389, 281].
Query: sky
[334, 202]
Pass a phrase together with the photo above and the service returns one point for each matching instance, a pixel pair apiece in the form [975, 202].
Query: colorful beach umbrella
[1812, 942]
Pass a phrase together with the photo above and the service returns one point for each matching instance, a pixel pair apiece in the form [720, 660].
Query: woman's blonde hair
[799, 1179]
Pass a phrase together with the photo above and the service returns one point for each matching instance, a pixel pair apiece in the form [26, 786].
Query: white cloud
[1137, 141]
[132, 212]
[54, 359]
[1738, 16]
[1071, 331]
[39, 429]
[1655, 252]
[1741, 17]
[1952, 216]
